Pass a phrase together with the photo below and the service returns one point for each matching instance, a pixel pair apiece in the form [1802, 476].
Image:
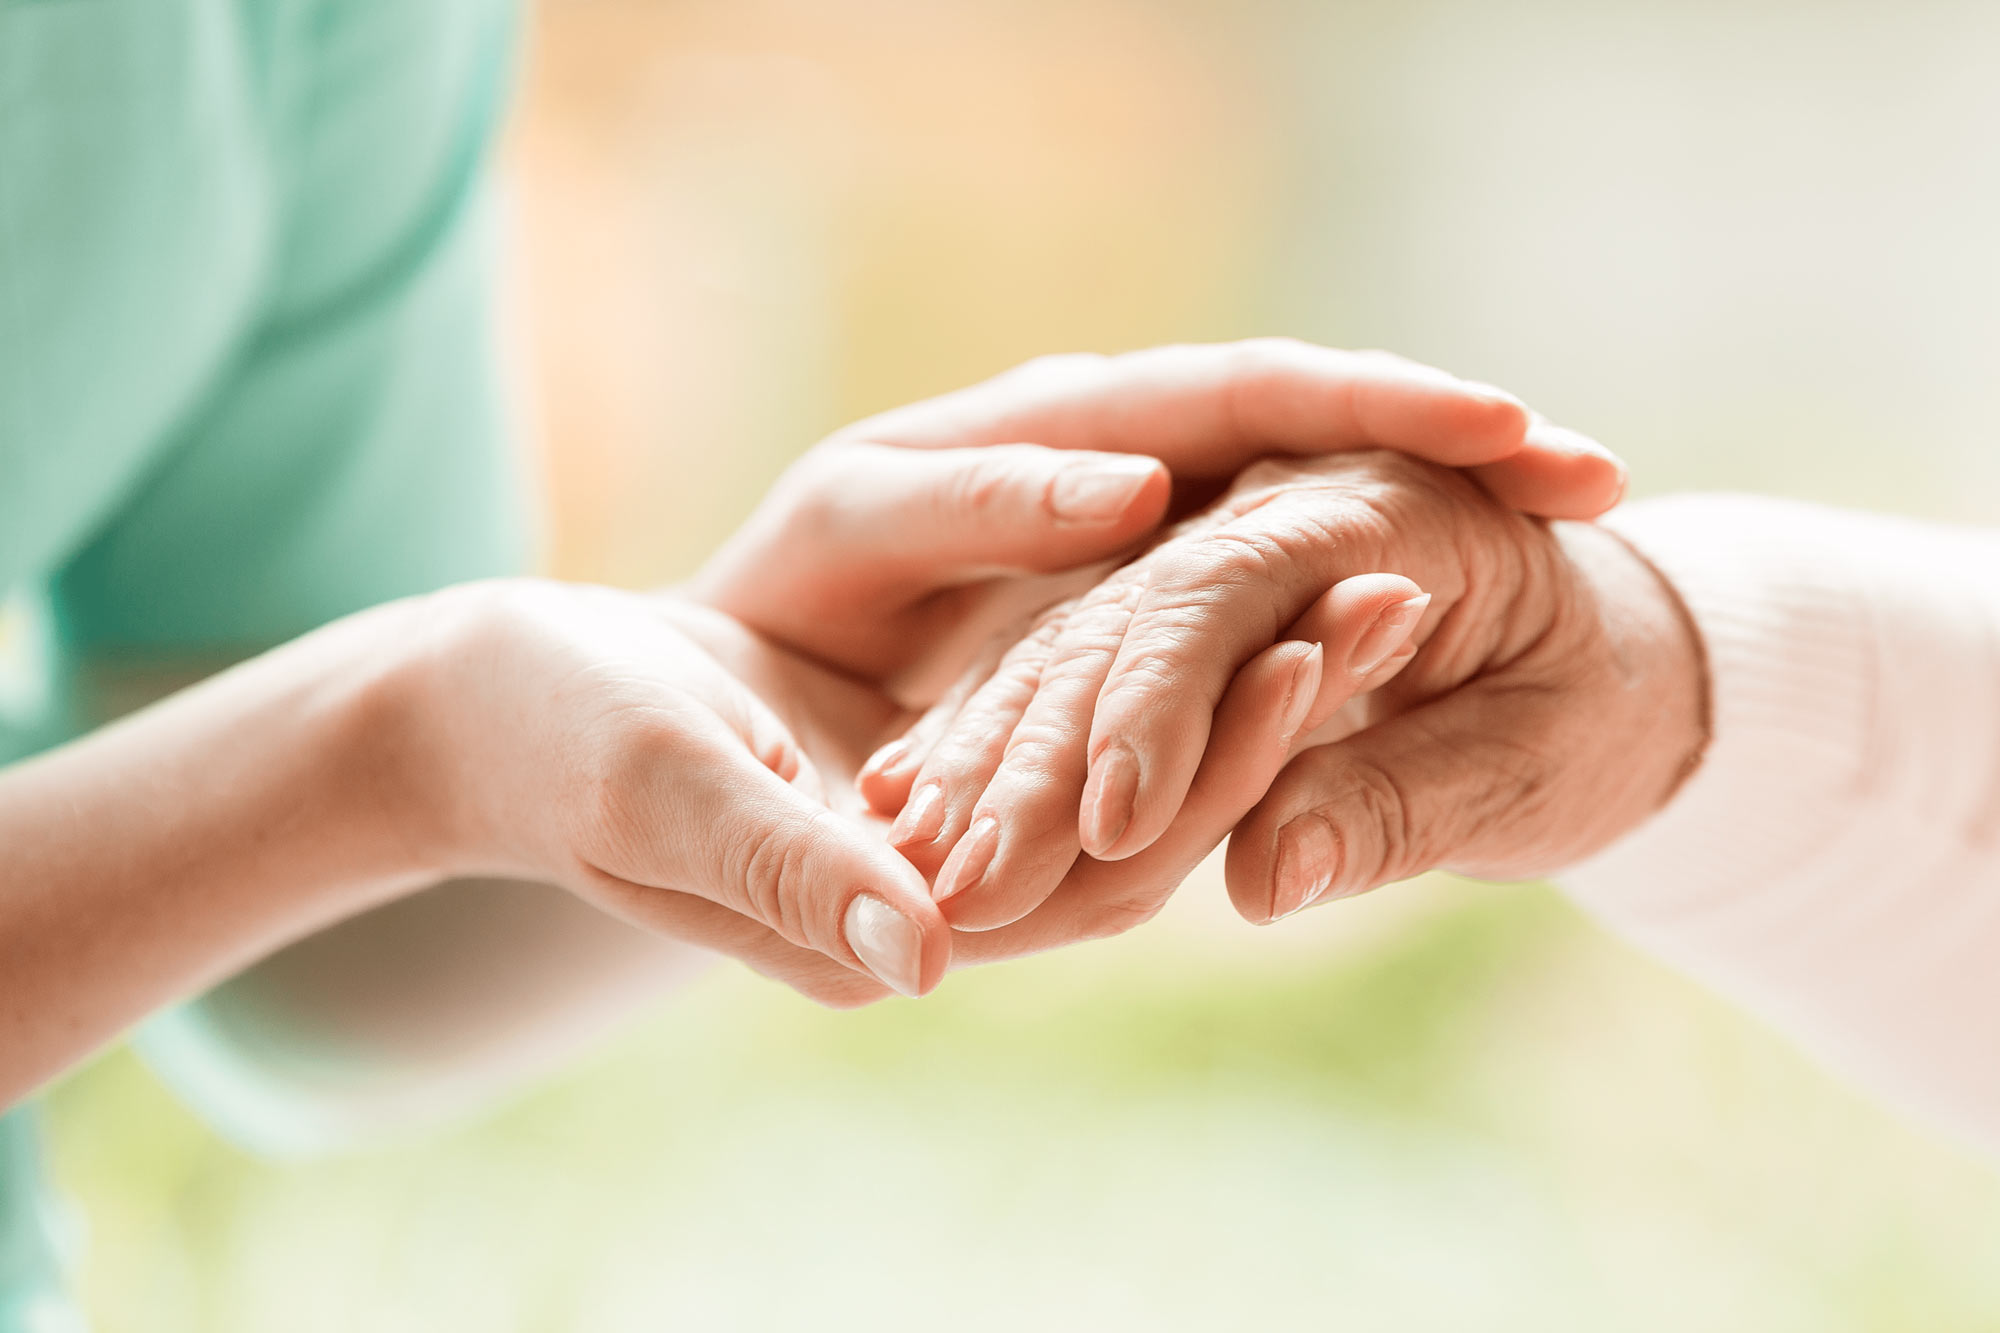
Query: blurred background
[1747, 245]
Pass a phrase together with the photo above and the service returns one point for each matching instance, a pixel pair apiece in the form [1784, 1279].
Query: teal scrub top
[248, 376]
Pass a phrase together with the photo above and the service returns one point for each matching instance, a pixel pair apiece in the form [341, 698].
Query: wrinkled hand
[1549, 714]
[1541, 695]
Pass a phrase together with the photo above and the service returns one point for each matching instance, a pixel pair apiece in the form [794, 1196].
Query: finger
[696, 806]
[887, 778]
[961, 762]
[1559, 473]
[1021, 835]
[953, 515]
[884, 781]
[1441, 785]
[1369, 627]
[956, 626]
[1250, 747]
[1208, 410]
[1211, 602]
[818, 879]
[708, 925]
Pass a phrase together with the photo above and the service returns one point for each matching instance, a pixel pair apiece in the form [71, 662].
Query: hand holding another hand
[696, 776]
[898, 548]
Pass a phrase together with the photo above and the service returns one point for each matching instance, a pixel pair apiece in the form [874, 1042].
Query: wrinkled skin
[1550, 698]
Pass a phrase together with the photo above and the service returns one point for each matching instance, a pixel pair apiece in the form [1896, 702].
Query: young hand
[596, 739]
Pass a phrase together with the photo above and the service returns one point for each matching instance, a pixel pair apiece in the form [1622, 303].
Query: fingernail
[1305, 690]
[968, 861]
[921, 818]
[1098, 492]
[1391, 630]
[886, 758]
[1306, 857]
[888, 943]
[1108, 799]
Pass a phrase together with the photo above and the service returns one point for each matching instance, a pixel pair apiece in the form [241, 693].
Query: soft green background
[1749, 246]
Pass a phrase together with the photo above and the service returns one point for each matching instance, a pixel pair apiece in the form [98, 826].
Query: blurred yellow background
[1747, 245]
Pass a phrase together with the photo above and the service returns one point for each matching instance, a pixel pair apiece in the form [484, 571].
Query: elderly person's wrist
[1657, 648]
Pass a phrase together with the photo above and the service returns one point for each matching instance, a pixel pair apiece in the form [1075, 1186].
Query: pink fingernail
[1307, 858]
[1391, 630]
[889, 944]
[1099, 491]
[969, 860]
[1306, 678]
[889, 756]
[1109, 799]
[921, 819]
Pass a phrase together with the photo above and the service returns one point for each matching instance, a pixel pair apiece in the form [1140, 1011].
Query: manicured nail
[888, 943]
[1099, 492]
[1391, 630]
[968, 861]
[921, 818]
[1306, 857]
[1305, 690]
[886, 758]
[1108, 799]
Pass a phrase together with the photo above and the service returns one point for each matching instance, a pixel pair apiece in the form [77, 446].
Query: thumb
[714, 817]
[949, 515]
[1456, 782]
[767, 851]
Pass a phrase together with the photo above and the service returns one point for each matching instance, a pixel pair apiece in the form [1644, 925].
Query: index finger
[1207, 410]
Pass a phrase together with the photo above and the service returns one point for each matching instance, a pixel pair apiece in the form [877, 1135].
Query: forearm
[1833, 863]
[407, 1010]
[161, 854]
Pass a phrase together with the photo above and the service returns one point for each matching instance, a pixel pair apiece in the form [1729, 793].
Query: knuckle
[1254, 369]
[1160, 652]
[807, 495]
[1048, 750]
[1388, 813]
[1244, 555]
[987, 481]
[1209, 571]
[774, 875]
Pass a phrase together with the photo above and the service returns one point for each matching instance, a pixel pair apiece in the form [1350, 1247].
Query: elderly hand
[1550, 713]
[1541, 696]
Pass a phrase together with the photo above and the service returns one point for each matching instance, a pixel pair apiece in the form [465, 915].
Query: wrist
[422, 746]
[1658, 653]
[379, 763]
